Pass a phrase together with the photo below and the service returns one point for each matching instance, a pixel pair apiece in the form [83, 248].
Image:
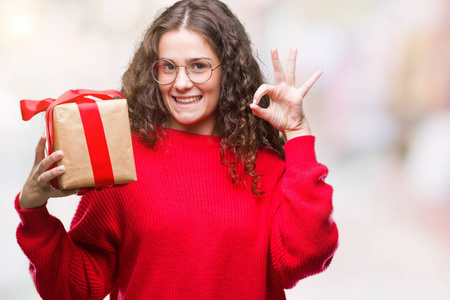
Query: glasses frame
[177, 69]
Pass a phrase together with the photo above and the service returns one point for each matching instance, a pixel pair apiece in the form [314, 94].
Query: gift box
[92, 129]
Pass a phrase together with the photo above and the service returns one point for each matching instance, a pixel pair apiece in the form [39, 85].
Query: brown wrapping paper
[70, 138]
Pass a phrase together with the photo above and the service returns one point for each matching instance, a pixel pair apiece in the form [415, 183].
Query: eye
[167, 67]
[199, 66]
[164, 66]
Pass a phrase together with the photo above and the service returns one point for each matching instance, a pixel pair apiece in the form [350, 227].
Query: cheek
[213, 96]
[215, 89]
[164, 91]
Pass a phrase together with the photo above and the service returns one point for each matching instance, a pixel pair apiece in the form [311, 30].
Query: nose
[182, 82]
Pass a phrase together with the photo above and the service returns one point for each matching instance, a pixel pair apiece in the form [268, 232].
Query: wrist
[301, 130]
[293, 134]
[26, 203]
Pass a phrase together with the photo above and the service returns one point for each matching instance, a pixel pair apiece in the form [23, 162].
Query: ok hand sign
[285, 112]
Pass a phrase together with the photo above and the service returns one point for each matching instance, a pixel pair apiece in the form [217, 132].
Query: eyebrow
[190, 59]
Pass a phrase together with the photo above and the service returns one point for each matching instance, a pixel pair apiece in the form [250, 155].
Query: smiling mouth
[187, 100]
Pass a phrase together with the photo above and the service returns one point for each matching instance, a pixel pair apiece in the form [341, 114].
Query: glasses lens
[164, 71]
[199, 71]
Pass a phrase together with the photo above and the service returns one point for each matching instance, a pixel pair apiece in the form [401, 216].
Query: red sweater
[185, 231]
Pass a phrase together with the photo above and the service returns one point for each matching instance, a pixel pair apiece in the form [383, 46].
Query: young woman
[225, 207]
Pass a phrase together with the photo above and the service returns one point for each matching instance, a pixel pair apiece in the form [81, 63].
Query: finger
[48, 161]
[278, 73]
[40, 150]
[258, 111]
[44, 178]
[264, 89]
[63, 193]
[290, 69]
[310, 82]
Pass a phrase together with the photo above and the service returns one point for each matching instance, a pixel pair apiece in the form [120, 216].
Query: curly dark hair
[242, 132]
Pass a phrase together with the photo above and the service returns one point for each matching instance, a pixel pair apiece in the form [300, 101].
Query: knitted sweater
[185, 231]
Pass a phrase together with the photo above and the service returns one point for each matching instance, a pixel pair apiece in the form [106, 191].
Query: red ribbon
[92, 124]
[96, 143]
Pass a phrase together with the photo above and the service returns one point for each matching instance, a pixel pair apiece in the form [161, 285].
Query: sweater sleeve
[303, 235]
[80, 264]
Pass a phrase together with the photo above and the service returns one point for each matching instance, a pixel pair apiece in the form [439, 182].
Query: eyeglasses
[165, 72]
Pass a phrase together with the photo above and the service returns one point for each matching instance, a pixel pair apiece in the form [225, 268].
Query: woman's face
[191, 105]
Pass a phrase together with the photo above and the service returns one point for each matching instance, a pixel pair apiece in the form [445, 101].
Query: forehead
[184, 44]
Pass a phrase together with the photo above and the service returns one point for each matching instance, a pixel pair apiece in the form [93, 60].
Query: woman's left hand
[285, 112]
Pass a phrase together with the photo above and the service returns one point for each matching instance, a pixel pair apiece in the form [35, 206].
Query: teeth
[187, 100]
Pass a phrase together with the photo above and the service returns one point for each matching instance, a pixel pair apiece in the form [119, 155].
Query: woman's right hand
[37, 189]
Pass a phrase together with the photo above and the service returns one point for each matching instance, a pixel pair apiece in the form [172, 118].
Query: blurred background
[380, 112]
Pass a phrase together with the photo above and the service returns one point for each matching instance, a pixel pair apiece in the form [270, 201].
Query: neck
[204, 127]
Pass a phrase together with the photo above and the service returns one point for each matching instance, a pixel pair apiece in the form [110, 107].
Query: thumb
[63, 193]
